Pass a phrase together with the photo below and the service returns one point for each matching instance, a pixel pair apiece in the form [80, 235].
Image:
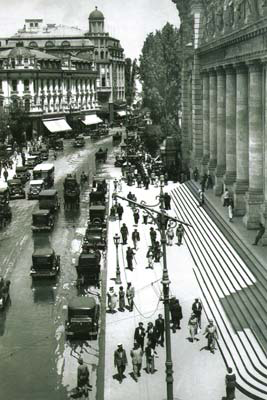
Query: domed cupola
[96, 21]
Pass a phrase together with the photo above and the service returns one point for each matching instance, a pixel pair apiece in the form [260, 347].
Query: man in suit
[159, 327]
[139, 335]
[120, 361]
[177, 315]
[197, 310]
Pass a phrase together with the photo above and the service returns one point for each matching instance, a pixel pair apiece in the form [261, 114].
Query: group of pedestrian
[122, 295]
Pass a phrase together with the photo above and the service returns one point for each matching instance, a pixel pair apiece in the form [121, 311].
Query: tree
[152, 137]
[160, 69]
[19, 123]
[130, 76]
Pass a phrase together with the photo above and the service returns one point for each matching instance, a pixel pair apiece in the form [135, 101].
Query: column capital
[220, 70]
[212, 72]
[241, 68]
[229, 69]
[254, 65]
[204, 73]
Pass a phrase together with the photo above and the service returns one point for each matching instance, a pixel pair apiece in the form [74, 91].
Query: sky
[130, 21]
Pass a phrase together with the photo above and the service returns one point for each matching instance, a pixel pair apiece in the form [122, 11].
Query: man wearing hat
[130, 293]
[137, 357]
[211, 334]
[159, 327]
[197, 310]
[139, 335]
[120, 361]
[83, 378]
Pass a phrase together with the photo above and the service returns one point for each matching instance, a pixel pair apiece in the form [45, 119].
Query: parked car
[38, 154]
[23, 174]
[36, 186]
[44, 152]
[88, 269]
[79, 141]
[95, 237]
[31, 162]
[97, 215]
[48, 200]
[43, 221]
[5, 209]
[45, 263]
[82, 318]
[45, 172]
[16, 189]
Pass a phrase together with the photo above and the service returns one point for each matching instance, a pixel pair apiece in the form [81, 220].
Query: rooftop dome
[96, 14]
[20, 51]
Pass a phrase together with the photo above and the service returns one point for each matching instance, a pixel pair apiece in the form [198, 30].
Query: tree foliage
[152, 137]
[130, 75]
[159, 71]
[14, 121]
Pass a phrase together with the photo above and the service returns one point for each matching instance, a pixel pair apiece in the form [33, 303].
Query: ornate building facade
[224, 93]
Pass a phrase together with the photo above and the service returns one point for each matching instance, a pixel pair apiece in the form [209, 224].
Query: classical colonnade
[234, 135]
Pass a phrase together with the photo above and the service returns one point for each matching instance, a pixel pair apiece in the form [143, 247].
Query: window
[102, 55]
[26, 85]
[14, 84]
[96, 54]
[54, 84]
[49, 43]
[26, 60]
[42, 84]
[1, 103]
[31, 24]
[36, 24]
[65, 43]
[27, 105]
[103, 81]
[33, 45]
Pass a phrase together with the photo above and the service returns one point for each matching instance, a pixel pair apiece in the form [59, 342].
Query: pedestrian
[119, 185]
[139, 181]
[5, 174]
[230, 384]
[136, 216]
[211, 334]
[230, 209]
[177, 315]
[259, 235]
[129, 258]
[112, 300]
[197, 310]
[150, 257]
[153, 177]
[23, 158]
[192, 325]
[124, 233]
[160, 328]
[135, 238]
[201, 197]
[119, 211]
[121, 299]
[150, 363]
[15, 155]
[209, 184]
[226, 198]
[170, 235]
[129, 197]
[196, 174]
[167, 201]
[112, 214]
[180, 234]
[83, 384]
[130, 293]
[139, 335]
[153, 236]
[137, 357]
[145, 216]
[147, 181]
[115, 184]
[120, 361]
[157, 251]
[151, 335]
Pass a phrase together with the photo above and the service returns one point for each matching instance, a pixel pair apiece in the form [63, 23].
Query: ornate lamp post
[116, 240]
[159, 217]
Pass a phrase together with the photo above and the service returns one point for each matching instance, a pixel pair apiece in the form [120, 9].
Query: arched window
[33, 45]
[102, 54]
[96, 54]
[49, 43]
[65, 43]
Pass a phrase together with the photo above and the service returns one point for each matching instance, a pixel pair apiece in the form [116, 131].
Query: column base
[229, 179]
[254, 200]
[212, 166]
[240, 189]
[264, 221]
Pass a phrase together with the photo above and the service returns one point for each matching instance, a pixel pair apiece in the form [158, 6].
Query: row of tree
[14, 122]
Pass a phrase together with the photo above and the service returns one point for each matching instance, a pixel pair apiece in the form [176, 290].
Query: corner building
[224, 99]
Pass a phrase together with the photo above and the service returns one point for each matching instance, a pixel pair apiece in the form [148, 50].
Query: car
[23, 174]
[48, 200]
[82, 318]
[79, 141]
[45, 263]
[97, 215]
[38, 154]
[95, 237]
[88, 268]
[31, 162]
[5, 209]
[36, 186]
[46, 172]
[43, 221]
[44, 152]
[4, 292]
[16, 189]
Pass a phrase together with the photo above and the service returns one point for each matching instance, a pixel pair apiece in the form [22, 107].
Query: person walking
[197, 310]
[201, 197]
[153, 236]
[150, 257]
[135, 238]
[192, 325]
[129, 258]
[177, 315]
[145, 217]
[151, 335]
[209, 184]
[167, 201]
[115, 184]
[150, 360]
[120, 361]
[124, 233]
[136, 216]
[179, 234]
[121, 299]
[137, 357]
[139, 335]
[130, 293]
[83, 384]
[230, 384]
[259, 235]
[119, 185]
[230, 209]
[130, 197]
[119, 211]
[170, 236]
[196, 174]
[160, 328]
[226, 198]
[112, 300]
[5, 173]
[211, 334]
[147, 181]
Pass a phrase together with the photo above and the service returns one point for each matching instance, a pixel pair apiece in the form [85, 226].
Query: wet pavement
[36, 360]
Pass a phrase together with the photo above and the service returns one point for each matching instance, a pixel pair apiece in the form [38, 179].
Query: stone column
[197, 118]
[221, 157]
[264, 238]
[254, 196]
[230, 122]
[241, 185]
[206, 116]
[213, 120]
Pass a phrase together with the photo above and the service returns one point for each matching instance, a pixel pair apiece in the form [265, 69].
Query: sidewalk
[197, 374]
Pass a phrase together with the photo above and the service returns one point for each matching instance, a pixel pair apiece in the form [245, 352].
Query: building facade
[224, 99]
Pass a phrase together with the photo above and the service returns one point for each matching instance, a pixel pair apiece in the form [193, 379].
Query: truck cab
[82, 318]
[45, 263]
[16, 189]
[45, 172]
[36, 186]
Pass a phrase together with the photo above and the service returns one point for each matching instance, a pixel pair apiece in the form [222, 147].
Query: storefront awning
[121, 113]
[92, 120]
[57, 125]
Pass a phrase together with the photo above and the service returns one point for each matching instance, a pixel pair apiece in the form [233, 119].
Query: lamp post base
[118, 279]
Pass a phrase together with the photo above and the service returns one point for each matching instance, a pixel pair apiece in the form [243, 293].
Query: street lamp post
[161, 221]
[116, 240]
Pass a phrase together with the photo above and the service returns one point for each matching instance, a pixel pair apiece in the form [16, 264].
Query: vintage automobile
[23, 174]
[5, 209]
[31, 161]
[95, 237]
[97, 215]
[43, 221]
[45, 172]
[44, 152]
[97, 197]
[45, 263]
[4, 195]
[116, 138]
[16, 189]
[36, 186]
[88, 269]
[48, 200]
[4, 292]
[38, 154]
[71, 192]
[79, 141]
[101, 155]
[82, 318]
[100, 184]
[56, 144]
